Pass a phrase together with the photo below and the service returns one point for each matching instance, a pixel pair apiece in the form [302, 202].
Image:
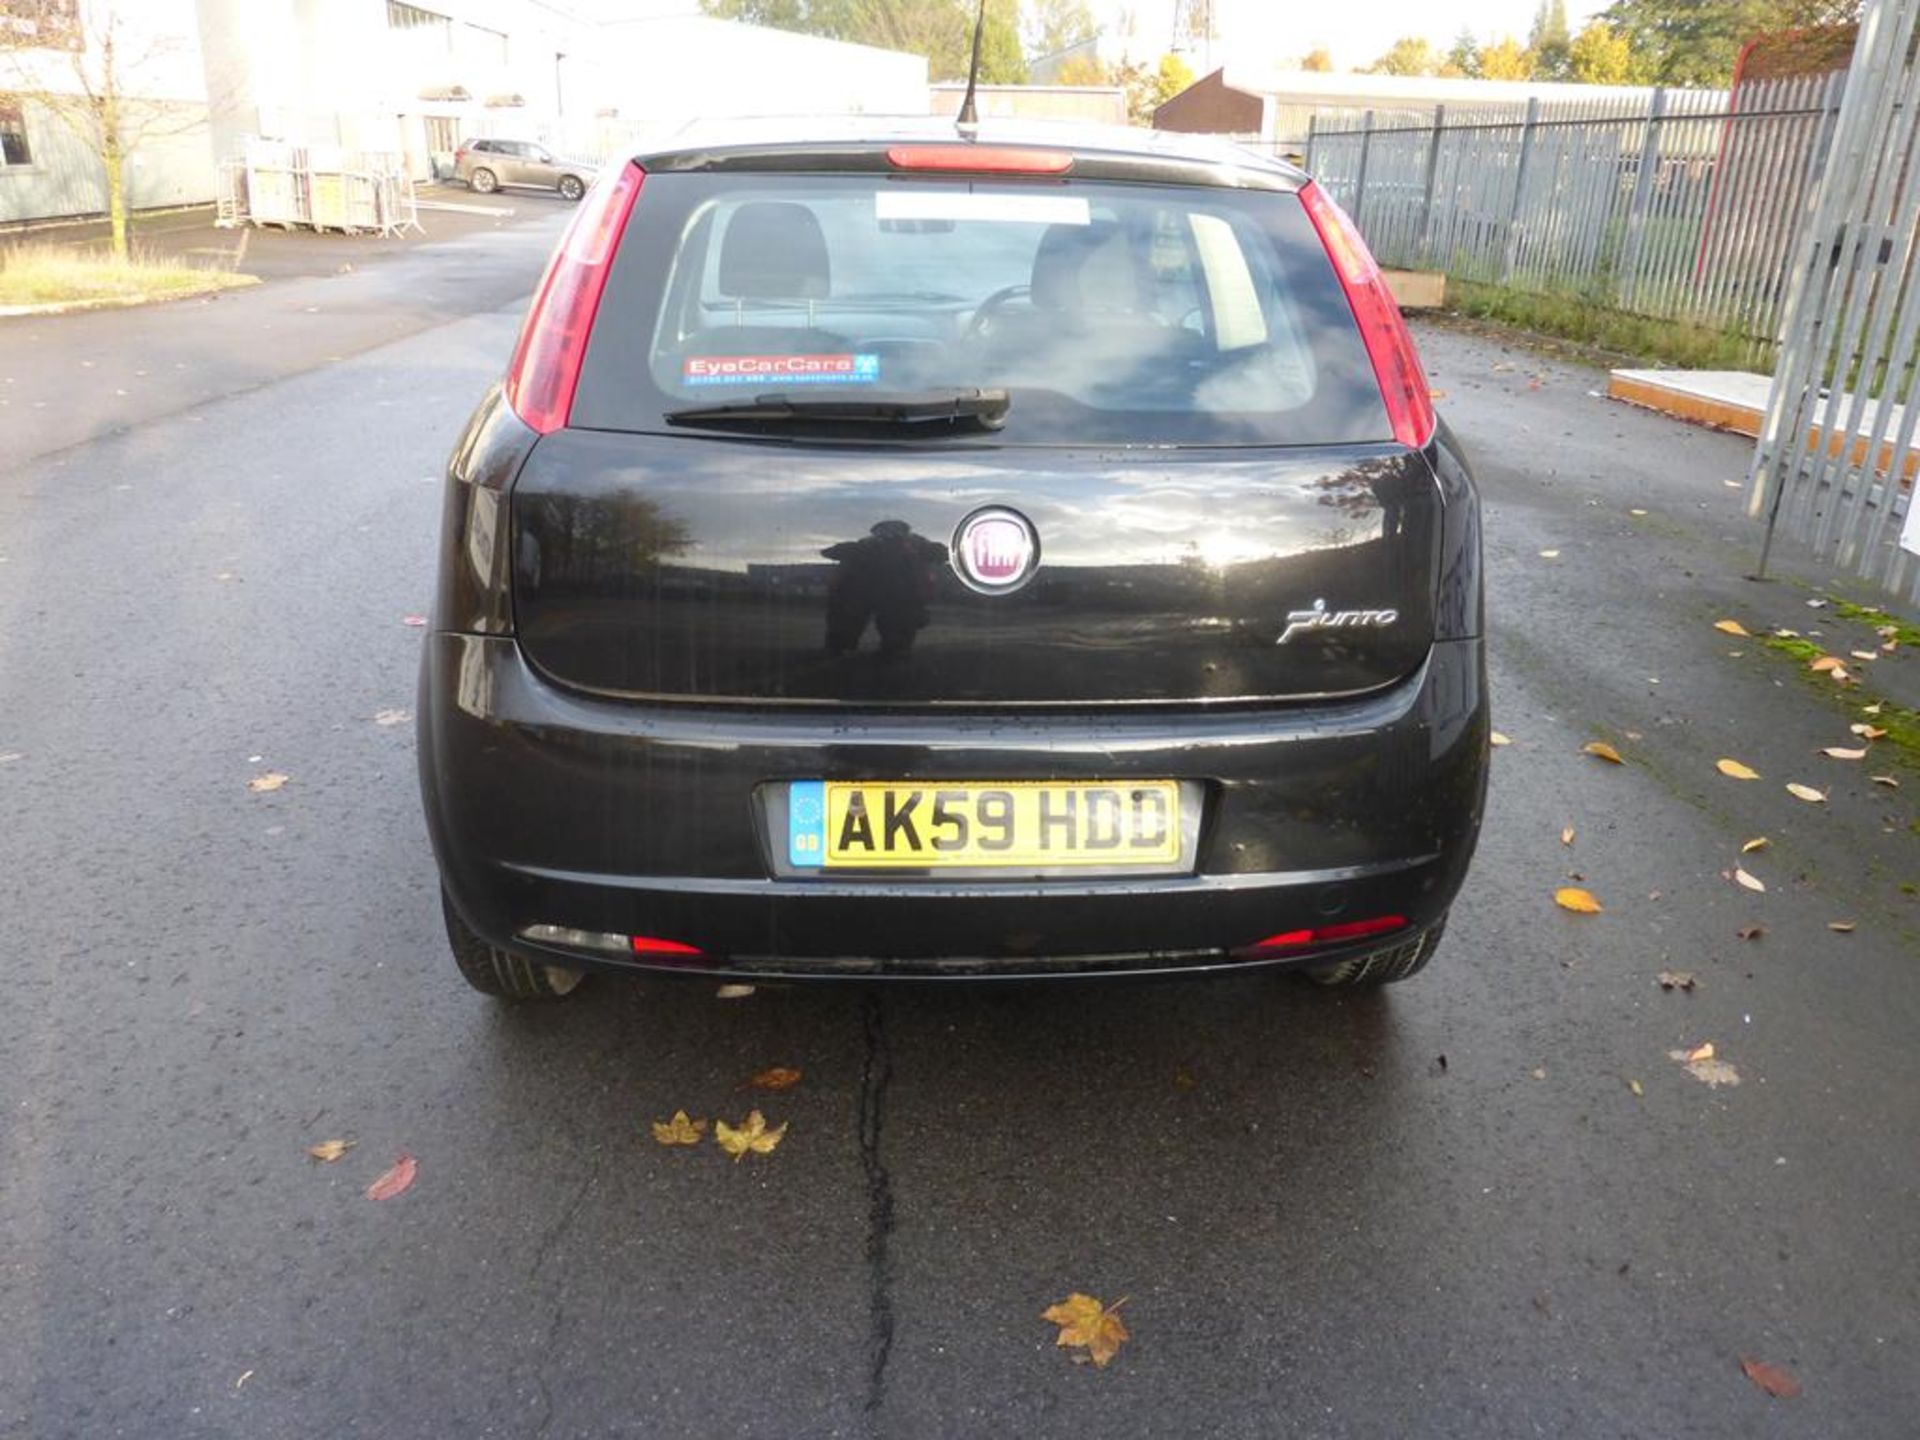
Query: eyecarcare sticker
[782, 369]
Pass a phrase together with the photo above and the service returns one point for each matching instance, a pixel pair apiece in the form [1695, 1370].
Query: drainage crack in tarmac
[874, 1078]
[540, 1253]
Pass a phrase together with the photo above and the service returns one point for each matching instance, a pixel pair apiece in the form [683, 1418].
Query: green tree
[1549, 41]
[1082, 70]
[1464, 57]
[1696, 42]
[1056, 25]
[1409, 55]
[1600, 55]
[1318, 62]
[1505, 60]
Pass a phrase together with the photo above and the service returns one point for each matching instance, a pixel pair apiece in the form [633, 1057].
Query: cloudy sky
[1356, 31]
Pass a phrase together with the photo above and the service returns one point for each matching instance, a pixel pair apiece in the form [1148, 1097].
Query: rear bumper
[551, 808]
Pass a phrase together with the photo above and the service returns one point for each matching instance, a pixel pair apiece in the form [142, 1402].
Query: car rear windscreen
[1109, 312]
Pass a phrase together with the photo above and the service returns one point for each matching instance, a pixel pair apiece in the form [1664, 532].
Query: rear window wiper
[927, 409]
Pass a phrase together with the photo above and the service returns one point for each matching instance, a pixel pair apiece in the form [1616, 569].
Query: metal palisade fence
[1835, 464]
[1683, 206]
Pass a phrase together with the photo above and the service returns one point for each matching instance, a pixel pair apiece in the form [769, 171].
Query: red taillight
[1396, 365]
[546, 363]
[980, 159]
[653, 945]
[1322, 935]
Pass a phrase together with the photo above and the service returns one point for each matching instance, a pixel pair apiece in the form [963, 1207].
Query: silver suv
[486, 165]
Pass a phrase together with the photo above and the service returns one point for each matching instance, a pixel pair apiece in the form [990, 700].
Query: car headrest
[774, 250]
[1085, 267]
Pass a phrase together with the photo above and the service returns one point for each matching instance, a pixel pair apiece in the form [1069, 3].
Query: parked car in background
[898, 553]
[486, 165]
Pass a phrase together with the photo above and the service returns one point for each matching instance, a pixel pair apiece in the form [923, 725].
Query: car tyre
[1382, 967]
[501, 973]
[572, 187]
[483, 182]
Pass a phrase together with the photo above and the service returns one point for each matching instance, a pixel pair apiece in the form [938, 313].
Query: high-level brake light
[1396, 364]
[980, 159]
[1333, 934]
[553, 341]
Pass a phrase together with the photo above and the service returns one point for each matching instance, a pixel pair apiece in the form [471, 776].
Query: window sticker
[973, 205]
[787, 369]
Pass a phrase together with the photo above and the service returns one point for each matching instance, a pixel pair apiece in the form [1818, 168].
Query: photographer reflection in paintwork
[888, 577]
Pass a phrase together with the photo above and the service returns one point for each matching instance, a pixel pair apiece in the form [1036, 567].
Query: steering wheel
[991, 306]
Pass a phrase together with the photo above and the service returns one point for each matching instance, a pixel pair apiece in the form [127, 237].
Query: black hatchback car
[908, 552]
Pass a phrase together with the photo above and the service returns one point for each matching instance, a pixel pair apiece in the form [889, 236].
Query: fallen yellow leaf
[1806, 792]
[1549, 554]
[1863, 654]
[1636, 1087]
[328, 1151]
[1873, 709]
[1699, 1053]
[1566, 836]
[1731, 627]
[1844, 927]
[753, 1135]
[1870, 732]
[780, 1077]
[1751, 882]
[1886, 780]
[1603, 750]
[1841, 752]
[1759, 842]
[1087, 1324]
[261, 784]
[1735, 770]
[1496, 739]
[733, 992]
[680, 1130]
[1825, 663]
[1581, 902]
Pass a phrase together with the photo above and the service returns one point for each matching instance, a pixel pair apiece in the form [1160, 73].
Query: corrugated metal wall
[66, 177]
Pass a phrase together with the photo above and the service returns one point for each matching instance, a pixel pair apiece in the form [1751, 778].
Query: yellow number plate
[834, 824]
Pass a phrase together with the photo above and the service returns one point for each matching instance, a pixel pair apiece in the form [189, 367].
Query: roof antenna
[969, 119]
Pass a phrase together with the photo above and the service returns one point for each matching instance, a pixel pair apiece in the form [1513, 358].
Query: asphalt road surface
[1485, 1203]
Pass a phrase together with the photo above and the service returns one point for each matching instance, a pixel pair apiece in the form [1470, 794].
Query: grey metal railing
[1682, 207]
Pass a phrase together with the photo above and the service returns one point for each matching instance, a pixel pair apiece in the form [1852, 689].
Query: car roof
[860, 142]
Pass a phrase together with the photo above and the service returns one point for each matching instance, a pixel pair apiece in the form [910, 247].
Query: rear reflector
[1396, 364]
[546, 363]
[653, 945]
[1321, 935]
[574, 939]
[980, 159]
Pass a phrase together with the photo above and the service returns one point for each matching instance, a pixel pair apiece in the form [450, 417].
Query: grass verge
[34, 275]
[1615, 334]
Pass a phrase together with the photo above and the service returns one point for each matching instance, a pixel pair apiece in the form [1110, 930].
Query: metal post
[1360, 179]
[1433, 175]
[1519, 188]
[1642, 198]
[1313, 134]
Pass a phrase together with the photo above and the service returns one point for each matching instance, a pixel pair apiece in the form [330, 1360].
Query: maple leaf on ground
[1087, 1324]
[328, 1151]
[1581, 902]
[779, 1077]
[395, 1180]
[679, 1130]
[753, 1135]
[1771, 1378]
